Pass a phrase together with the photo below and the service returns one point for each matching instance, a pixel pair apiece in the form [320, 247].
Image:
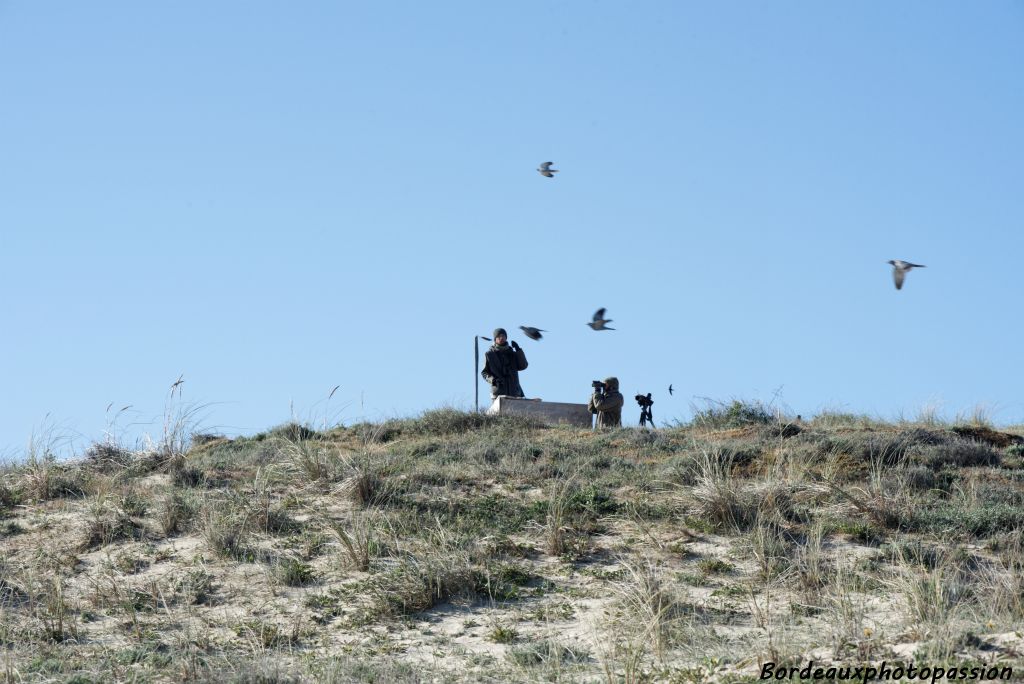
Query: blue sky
[276, 199]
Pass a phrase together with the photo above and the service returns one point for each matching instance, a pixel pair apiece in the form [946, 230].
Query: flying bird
[532, 333]
[546, 170]
[599, 321]
[177, 384]
[670, 389]
[899, 270]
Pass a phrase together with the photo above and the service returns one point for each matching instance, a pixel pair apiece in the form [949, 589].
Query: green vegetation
[458, 546]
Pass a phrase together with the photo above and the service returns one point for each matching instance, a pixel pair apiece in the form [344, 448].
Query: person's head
[500, 336]
[611, 384]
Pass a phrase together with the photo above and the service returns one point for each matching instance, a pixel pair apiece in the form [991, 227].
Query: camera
[598, 386]
[646, 414]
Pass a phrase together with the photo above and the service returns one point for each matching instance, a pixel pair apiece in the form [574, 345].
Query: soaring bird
[599, 321]
[670, 389]
[546, 170]
[899, 270]
[532, 333]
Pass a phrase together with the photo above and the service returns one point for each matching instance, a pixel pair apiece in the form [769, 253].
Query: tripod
[646, 414]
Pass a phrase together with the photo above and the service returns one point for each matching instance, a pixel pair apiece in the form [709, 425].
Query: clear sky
[276, 198]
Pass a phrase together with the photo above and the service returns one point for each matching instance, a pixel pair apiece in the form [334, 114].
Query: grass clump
[417, 584]
[503, 635]
[960, 453]
[692, 552]
[227, 533]
[108, 457]
[736, 414]
[359, 537]
[261, 635]
[194, 587]
[445, 422]
[183, 473]
[108, 525]
[294, 432]
[9, 497]
[45, 479]
[547, 652]
[177, 513]
[714, 566]
[980, 521]
[292, 572]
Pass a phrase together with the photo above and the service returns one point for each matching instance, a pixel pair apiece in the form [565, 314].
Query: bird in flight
[670, 389]
[532, 333]
[546, 170]
[599, 321]
[899, 271]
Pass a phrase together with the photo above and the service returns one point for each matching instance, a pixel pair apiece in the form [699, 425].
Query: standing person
[502, 363]
[607, 403]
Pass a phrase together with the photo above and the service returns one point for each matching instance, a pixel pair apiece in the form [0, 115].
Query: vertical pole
[476, 369]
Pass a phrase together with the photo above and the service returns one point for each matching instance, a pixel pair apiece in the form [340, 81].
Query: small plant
[650, 603]
[547, 651]
[503, 635]
[417, 584]
[9, 496]
[195, 587]
[364, 485]
[770, 548]
[53, 611]
[108, 456]
[181, 422]
[227, 533]
[295, 433]
[813, 569]
[318, 461]
[293, 573]
[557, 533]
[714, 566]
[443, 568]
[177, 513]
[358, 537]
[718, 497]
[133, 503]
[263, 635]
[182, 473]
[719, 416]
[44, 479]
[108, 524]
[129, 563]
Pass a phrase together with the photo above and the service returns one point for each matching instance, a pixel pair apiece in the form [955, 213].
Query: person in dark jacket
[502, 363]
[607, 404]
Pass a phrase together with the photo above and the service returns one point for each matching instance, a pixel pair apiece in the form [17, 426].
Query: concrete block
[549, 412]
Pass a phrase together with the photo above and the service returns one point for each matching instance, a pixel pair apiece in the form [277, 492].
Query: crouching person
[607, 402]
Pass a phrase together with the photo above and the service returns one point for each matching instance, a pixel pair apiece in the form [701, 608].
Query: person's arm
[607, 402]
[520, 357]
[486, 373]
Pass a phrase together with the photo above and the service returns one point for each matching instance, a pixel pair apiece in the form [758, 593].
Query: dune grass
[462, 547]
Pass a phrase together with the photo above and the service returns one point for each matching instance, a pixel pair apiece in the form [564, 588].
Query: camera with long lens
[645, 402]
[598, 386]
